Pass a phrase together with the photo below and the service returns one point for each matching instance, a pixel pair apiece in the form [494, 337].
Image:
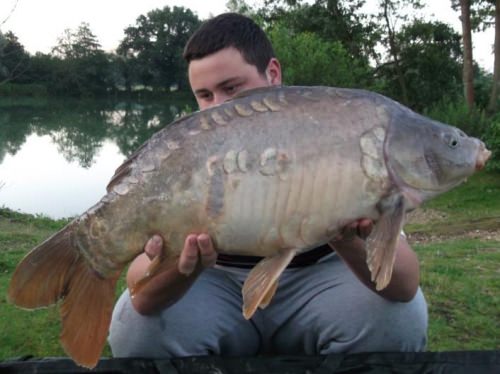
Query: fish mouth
[483, 155]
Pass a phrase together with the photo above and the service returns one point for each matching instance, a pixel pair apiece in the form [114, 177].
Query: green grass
[460, 278]
[478, 197]
[461, 282]
[474, 204]
[24, 332]
[27, 332]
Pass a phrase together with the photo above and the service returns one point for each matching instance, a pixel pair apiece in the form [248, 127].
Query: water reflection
[56, 156]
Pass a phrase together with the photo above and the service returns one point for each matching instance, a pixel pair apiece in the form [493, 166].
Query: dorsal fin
[124, 169]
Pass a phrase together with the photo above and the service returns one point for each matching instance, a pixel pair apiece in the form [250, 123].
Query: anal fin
[381, 244]
[262, 281]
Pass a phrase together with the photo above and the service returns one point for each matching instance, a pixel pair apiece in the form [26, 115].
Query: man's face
[218, 77]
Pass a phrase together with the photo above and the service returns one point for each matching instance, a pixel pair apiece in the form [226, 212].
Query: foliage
[483, 82]
[81, 66]
[482, 13]
[429, 59]
[77, 44]
[331, 20]
[455, 112]
[13, 58]
[153, 47]
[23, 90]
[318, 42]
[306, 59]
[36, 221]
[389, 14]
[492, 140]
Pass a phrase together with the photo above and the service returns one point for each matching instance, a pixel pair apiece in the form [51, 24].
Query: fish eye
[451, 140]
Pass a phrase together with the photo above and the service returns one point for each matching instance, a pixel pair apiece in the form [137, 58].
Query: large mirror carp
[271, 173]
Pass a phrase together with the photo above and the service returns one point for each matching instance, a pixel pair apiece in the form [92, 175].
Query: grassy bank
[24, 332]
[456, 237]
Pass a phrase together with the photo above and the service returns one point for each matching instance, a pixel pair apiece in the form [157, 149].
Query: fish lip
[483, 155]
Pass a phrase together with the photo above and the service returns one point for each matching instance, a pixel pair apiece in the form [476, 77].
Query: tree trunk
[492, 106]
[468, 72]
[394, 51]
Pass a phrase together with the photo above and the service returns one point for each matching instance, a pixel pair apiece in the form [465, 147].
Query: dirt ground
[424, 216]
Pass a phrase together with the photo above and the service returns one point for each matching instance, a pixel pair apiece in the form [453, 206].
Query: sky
[39, 23]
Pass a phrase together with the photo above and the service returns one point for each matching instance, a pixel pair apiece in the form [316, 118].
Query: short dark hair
[231, 30]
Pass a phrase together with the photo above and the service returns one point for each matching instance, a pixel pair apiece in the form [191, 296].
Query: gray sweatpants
[318, 309]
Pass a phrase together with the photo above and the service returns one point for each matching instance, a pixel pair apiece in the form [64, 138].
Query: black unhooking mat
[457, 362]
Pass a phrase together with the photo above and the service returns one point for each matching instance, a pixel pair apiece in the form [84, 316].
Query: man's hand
[350, 246]
[360, 228]
[169, 285]
[198, 250]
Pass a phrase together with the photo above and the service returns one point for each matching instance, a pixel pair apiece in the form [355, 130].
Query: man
[325, 301]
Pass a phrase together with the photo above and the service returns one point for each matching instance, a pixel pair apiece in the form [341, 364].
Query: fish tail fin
[56, 270]
[40, 279]
[86, 314]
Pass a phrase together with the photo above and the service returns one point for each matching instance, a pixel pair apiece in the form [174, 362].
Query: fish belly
[302, 208]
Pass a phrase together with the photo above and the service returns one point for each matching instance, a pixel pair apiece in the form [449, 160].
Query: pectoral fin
[157, 265]
[262, 282]
[382, 242]
[269, 295]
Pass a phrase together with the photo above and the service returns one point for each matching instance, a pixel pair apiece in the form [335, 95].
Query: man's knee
[132, 334]
[376, 325]
[187, 328]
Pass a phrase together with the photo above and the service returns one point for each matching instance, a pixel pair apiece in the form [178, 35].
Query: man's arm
[167, 287]
[405, 275]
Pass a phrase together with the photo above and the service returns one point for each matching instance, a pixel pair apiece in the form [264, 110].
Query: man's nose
[220, 98]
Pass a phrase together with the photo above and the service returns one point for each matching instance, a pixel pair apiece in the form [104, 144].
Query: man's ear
[273, 72]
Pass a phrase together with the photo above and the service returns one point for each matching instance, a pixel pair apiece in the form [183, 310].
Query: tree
[429, 56]
[307, 59]
[81, 43]
[14, 60]
[154, 46]
[239, 6]
[332, 20]
[468, 67]
[85, 66]
[492, 106]
[391, 12]
[478, 15]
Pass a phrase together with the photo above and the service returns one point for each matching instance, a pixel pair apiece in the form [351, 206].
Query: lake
[57, 156]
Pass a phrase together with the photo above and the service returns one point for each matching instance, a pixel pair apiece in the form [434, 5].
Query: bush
[492, 140]
[25, 90]
[308, 60]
